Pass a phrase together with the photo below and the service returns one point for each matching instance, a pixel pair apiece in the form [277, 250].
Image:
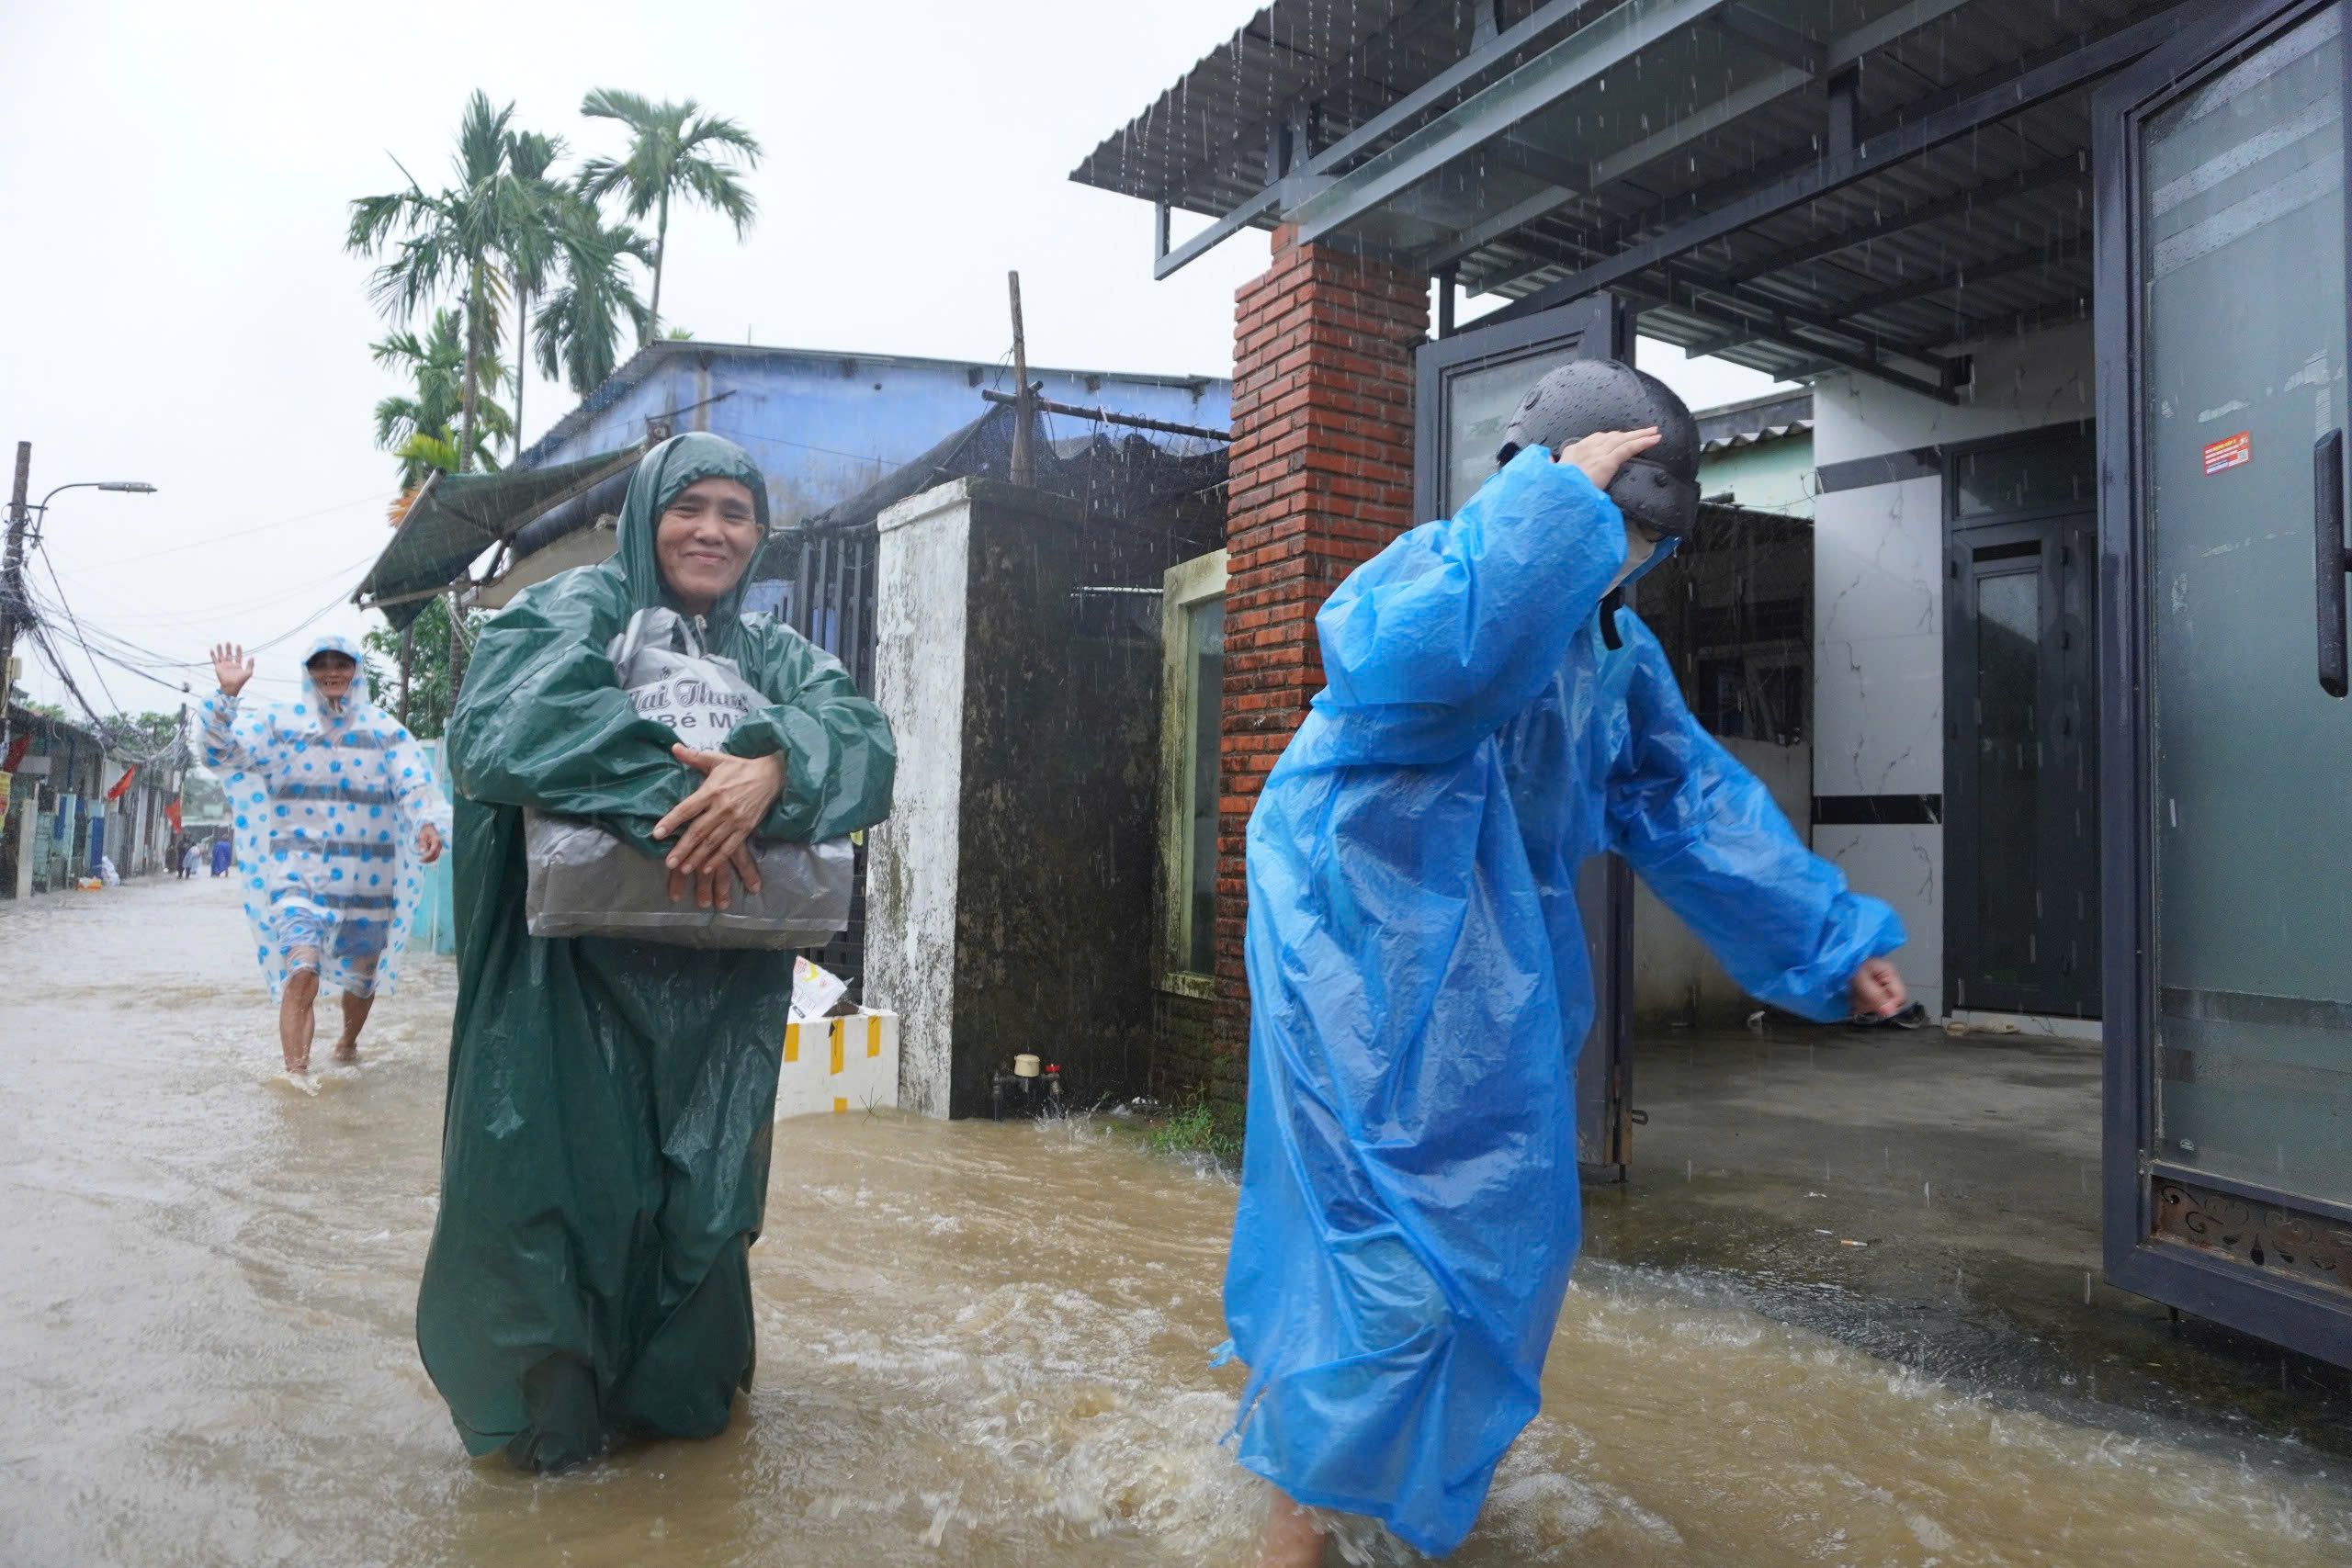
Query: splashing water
[980, 1344]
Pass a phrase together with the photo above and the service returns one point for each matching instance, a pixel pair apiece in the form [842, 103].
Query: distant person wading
[336, 815]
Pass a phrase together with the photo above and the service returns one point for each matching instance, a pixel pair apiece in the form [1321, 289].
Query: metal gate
[828, 598]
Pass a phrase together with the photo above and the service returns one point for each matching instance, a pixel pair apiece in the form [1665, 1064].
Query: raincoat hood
[357, 701]
[670, 467]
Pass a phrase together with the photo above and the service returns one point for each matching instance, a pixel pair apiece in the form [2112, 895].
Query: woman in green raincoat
[605, 1149]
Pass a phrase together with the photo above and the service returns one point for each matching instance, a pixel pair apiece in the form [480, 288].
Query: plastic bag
[583, 881]
[815, 989]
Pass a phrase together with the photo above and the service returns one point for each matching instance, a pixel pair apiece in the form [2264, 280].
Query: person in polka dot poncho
[337, 814]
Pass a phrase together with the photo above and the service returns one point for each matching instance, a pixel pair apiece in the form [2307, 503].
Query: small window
[1191, 715]
[1205, 635]
[2060, 469]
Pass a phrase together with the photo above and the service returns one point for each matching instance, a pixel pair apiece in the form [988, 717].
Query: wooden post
[408, 642]
[12, 575]
[457, 653]
[1023, 412]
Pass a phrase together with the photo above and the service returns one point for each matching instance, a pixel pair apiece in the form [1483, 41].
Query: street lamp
[133, 486]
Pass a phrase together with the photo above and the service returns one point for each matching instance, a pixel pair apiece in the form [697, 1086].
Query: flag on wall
[17, 750]
[121, 784]
[171, 814]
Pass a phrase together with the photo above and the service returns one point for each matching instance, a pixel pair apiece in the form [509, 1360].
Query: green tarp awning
[457, 516]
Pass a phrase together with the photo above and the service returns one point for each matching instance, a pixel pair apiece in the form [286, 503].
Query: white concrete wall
[1674, 974]
[1878, 610]
[921, 592]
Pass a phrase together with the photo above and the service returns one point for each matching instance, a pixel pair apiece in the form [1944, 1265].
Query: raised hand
[1602, 452]
[231, 668]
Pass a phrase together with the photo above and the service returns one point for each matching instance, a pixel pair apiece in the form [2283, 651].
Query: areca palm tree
[465, 236]
[415, 427]
[535, 247]
[674, 150]
[578, 333]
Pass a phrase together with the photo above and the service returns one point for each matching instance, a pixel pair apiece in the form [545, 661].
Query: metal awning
[1789, 184]
[457, 516]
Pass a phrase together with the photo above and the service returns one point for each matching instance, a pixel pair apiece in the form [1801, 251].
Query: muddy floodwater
[978, 1343]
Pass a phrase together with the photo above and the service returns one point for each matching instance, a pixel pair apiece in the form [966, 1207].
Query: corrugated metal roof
[1984, 234]
[1730, 424]
[642, 366]
[1758, 437]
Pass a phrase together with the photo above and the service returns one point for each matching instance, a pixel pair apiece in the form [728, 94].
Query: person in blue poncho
[1417, 981]
[336, 815]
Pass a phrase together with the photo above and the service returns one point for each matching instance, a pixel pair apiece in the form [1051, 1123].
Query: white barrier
[832, 1066]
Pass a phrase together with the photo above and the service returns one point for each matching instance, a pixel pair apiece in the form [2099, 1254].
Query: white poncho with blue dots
[329, 800]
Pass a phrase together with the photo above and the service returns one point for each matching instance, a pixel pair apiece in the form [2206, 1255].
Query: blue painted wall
[435, 927]
[823, 426]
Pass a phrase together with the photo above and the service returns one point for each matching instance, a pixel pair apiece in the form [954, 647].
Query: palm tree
[674, 150]
[579, 332]
[536, 243]
[466, 235]
[414, 427]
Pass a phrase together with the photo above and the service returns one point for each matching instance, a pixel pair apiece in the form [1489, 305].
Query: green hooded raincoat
[605, 1149]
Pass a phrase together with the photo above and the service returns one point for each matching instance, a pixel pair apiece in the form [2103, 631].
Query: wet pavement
[1934, 1201]
[980, 1344]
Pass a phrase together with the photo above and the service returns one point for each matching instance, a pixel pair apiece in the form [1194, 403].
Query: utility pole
[12, 578]
[456, 654]
[1022, 411]
[408, 644]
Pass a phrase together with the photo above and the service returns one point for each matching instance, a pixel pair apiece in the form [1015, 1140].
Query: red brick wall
[1321, 476]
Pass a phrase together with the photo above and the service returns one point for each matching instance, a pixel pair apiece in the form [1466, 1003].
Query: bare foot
[347, 1054]
[1291, 1540]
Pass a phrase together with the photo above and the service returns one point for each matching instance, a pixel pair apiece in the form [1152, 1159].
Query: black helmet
[1657, 491]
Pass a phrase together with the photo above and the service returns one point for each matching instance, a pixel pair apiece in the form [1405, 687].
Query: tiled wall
[1878, 611]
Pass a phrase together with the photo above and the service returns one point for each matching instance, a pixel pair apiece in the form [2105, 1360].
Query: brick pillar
[1321, 476]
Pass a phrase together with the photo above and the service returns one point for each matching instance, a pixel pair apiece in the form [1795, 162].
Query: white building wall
[920, 599]
[1878, 610]
[1674, 974]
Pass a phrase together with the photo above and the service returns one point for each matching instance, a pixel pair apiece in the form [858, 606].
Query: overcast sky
[179, 308]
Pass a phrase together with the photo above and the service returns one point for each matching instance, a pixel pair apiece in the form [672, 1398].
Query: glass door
[2227, 739]
[1468, 385]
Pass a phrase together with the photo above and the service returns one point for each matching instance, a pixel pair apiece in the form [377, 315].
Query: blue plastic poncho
[328, 798]
[1418, 988]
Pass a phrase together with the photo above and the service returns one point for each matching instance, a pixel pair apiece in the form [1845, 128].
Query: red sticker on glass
[2229, 454]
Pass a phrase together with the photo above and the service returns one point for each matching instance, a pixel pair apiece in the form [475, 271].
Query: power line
[112, 701]
[95, 643]
[242, 533]
[213, 615]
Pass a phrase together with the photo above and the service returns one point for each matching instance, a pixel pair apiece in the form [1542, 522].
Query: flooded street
[980, 1344]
